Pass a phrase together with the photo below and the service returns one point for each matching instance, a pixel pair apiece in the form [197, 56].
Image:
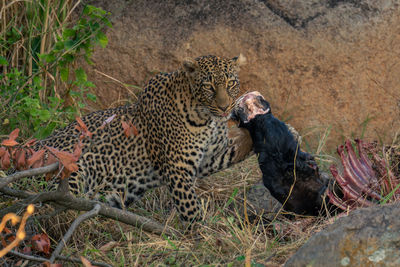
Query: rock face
[320, 63]
[367, 237]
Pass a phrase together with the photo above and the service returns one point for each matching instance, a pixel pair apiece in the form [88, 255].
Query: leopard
[182, 134]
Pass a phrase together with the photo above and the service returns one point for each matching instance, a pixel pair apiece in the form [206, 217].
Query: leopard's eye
[208, 87]
[232, 83]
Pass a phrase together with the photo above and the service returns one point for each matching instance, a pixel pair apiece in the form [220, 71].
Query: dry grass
[224, 237]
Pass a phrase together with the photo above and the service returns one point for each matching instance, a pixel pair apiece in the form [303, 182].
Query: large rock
[367, 237]
[319, 63]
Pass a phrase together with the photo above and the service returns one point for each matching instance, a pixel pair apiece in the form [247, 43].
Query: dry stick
[70, 202]
[72, 229]
[63, 258]
[30, 198]
[127, 217]
[32, 172]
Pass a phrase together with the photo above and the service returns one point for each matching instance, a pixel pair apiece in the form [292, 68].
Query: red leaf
[48, 264]
[50, 160]
[82, 127]
[5, 161]
[78, 149]
[14, 134]
[36, 160]
[81, 124]
[20, 159]
[86, 262]
[41, 243]
[11, 138]
[134, 130]
[66, 159]
[27, 250]
[125, 126]
[31, 142]
[3, 151]
[9, 142]
[129, 129]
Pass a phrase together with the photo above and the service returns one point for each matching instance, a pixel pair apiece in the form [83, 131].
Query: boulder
[319, 63]
[366, 237]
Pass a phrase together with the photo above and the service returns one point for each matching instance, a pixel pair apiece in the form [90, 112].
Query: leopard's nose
[223, 108]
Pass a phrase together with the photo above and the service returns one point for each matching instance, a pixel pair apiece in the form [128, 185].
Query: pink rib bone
[355, 163]
[350, 193]
[350, 176]
[365, 162]
[336, 201]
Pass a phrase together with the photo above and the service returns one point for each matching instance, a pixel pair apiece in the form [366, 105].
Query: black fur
[279, 155]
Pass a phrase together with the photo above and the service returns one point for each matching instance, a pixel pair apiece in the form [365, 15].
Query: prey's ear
[239, 61]
[190, 66]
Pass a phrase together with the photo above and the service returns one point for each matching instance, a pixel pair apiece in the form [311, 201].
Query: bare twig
[71, 230]
[123, 84]
[28, 173]
[63, 258]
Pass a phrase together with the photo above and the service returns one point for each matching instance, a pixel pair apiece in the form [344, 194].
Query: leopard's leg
[181, 186]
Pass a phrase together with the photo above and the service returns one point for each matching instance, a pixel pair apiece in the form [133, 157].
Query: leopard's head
[214, 82]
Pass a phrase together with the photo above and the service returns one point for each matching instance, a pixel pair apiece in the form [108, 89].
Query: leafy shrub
[42, 87]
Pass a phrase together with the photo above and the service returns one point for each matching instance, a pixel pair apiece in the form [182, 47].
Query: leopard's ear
[239, 60]
[190, 66]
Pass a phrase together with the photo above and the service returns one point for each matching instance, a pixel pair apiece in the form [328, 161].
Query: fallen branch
[71, 230]
[71, 202]
[63, 258]
[27, 173]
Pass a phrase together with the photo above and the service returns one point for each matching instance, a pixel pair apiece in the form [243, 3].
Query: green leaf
[107, 22]
[68, 33]
[89, 84]
[88, 9]
[240, 258]
[80, 75]
[54, 101]
[81, 104]
[74, 93]
[37, 81]
[69, 44]
[91, 97]
[59, 45]
[256, 264]
[68, 58]
[390, 195]
[3, 61]
[64, 73]
[49, 58]
[44, 115]
[102, 39]
[45, 131]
